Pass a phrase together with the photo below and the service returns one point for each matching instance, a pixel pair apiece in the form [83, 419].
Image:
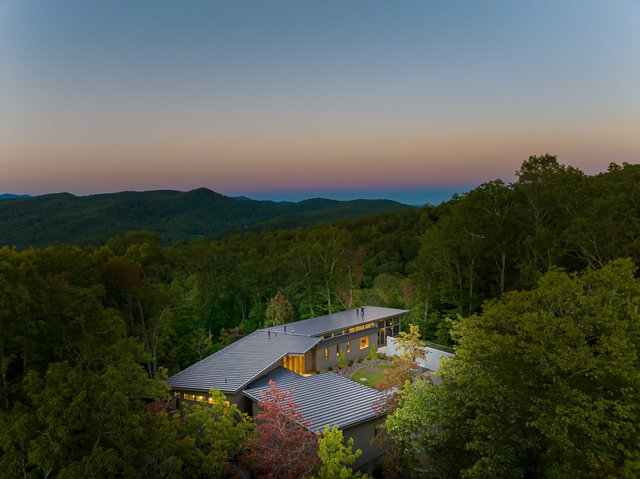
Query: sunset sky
[407, 100]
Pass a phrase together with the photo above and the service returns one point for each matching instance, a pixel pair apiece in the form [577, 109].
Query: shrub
[342, 360]
[381, 356]
[359, 360]
[350, 363]
[329, 368]
[372, 353]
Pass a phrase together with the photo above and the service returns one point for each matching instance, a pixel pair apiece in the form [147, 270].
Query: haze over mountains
[9, 196]
[64, 218]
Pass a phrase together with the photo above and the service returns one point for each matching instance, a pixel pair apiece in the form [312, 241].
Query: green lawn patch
[370, 378]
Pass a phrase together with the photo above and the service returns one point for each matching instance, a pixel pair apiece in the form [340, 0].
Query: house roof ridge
[320, 325]
[291, 333]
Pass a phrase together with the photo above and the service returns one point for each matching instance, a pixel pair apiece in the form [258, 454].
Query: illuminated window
[210, 400]
[326, 354]
[364, 342]
[294, 363]
[200, 398]
[348, 347]
[337, 350]
[190, 397]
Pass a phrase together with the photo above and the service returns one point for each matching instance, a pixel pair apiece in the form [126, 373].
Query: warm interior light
[294, 363]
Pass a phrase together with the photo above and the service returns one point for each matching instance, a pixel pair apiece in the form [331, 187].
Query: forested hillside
[89, 332]
[67, 219]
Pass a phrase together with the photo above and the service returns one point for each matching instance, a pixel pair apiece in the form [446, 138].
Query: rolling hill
[64, 218]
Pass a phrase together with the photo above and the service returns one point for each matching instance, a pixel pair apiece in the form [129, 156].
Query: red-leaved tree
[282, 447]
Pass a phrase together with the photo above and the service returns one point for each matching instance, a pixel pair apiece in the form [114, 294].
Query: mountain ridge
[61, 218]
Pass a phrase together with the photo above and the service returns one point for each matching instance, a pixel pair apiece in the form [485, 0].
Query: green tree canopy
[544, 383]
[336, 457]
[211, 435]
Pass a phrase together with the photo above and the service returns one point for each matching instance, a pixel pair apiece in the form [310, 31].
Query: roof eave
[366, 321]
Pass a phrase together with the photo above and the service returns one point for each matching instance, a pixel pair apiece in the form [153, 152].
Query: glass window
[190, 397]
[294, 363]
[348, 347]
[364, 342]
[337, 350]
[326, 354]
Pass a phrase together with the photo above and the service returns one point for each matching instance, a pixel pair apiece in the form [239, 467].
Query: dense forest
[521, 278]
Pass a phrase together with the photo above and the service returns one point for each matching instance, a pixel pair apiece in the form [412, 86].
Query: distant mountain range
[64, 218]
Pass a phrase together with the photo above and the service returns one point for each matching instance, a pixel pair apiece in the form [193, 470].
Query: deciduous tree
[282, 448]
[279, 310]
[336, 457]
[544, 384]
[211, 436]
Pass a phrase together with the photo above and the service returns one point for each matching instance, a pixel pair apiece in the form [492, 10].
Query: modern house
[290, 355]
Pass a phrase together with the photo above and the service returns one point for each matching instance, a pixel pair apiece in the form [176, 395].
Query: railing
[446, 349]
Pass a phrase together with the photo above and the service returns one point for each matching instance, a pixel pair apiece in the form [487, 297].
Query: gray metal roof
[349, 336]
[233, 367]
[323, 399]
[278, 374]
[337, 321]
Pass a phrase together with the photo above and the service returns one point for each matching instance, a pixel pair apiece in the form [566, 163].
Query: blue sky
[289, 99]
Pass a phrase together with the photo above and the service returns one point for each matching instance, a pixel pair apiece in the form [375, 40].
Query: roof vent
[225, 380]
[269, 334]
[362, 311]
[285, 328]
